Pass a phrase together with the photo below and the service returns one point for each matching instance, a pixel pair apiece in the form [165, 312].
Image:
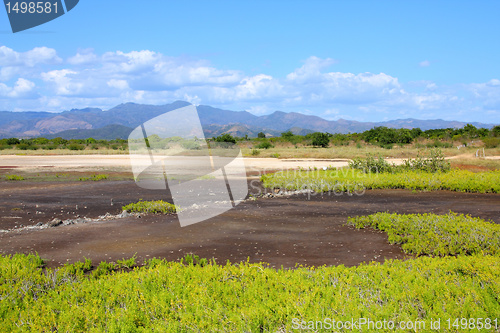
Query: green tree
[261, 135]
[495, 131]
[226, 137]
[287, 135]
[13, 141]
[320, 140]
[59, 141]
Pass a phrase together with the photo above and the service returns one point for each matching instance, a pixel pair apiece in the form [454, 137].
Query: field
[275, 263]
[197, 295]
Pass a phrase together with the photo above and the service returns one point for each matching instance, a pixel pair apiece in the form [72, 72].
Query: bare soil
[283, 231]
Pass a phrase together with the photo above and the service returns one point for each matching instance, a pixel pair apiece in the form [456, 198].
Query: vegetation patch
[187, 297]
[95, 177]
[348, 180]
[435, 162]
[156, 207]
[439, 235]
[14, 177]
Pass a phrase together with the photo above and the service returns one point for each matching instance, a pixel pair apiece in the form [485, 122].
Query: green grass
[439, 235]
[94, 177]
[14, 177]
[175, 297]
[156, 207]
[340, 180]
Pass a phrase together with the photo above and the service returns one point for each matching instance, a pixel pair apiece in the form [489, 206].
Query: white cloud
[425, 63]
[22, 89]
[14, 63]
[118, 84]
[83, 57]
[38, 55]
[145, 76]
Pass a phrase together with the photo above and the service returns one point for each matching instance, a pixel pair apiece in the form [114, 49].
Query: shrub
[22, 146]
[255, 152]
[264, 145]
[76, 146]
[41, 141]
[191, 259]
[491, 142]
[287, 135]
[434, 163]
[13, 141]
[370, 164]
[191, 145]
[226, 137]
[59, 141]
[126, 263]
[14, 177]
[158, 206]
[320, 140]
[261, 135]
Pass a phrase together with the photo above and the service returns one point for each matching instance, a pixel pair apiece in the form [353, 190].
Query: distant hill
[109, 132]
[93, 122]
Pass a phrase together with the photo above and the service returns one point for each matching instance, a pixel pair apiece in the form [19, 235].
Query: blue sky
[360, 60]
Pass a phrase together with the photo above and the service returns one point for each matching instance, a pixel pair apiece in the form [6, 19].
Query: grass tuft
[156, 207]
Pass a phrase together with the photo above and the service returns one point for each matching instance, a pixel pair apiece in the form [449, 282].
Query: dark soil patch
[284, 231]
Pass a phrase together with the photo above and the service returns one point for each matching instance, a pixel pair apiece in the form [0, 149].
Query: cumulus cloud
[83, 57]
[22, 89]
[18, 64]
[145, 76]
[425, 63]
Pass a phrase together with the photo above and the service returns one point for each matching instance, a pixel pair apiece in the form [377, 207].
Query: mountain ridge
[215, 121]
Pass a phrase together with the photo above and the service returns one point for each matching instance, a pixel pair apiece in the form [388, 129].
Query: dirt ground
[282, 231]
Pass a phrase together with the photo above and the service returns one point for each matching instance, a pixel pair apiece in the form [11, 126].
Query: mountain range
[119, 121]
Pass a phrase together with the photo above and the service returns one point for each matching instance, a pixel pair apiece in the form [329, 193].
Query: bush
[261, 135]
[225, 138]
[191, 259]
[264, 145]
[22, 146]
[76, 146]
[158, 206]
[14, 177]
[370, 164]
[13, 141]
[320, 140]
[434, 163]
[255, 152]
[491, 142]
[41, 141]
[59, 141]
